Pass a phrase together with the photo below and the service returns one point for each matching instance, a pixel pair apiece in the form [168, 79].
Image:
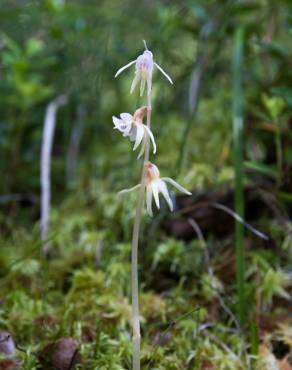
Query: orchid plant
[151, 184]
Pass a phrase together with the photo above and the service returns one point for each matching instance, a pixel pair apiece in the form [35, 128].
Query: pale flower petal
[133, 133]
[122, 126]
[128, 129]
[122, 192]
[142, 86]
[149, 200]
[151, 137]
[143, 146]
[149, 83]
[164, 73]
[116, 121]
[139, 136]
[126, 117]
[165, 193]
[152, 171]
[155, 191]
[176, 185]
[125, 67]
[144, 62]
[135, 81]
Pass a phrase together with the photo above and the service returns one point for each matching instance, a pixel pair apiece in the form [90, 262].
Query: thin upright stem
[238, 167]
[46, 153]
[279, 154]
[135, 243]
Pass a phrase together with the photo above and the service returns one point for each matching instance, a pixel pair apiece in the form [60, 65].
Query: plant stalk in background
[238, 167]
[46, 153]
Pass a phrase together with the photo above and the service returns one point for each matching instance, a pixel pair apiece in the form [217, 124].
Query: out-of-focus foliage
[83, 291]
[53, 47]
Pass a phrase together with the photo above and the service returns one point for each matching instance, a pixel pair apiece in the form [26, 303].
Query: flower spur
[155, 185]
[133, 127]
[144, 69]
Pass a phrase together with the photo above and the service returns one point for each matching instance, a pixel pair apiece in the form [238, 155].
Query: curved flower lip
[133, 127]
[144, 68]
[154, 186]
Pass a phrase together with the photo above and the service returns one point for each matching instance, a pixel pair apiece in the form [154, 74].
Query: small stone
[7, 345]
[61, 355]
[9, 364]
[162, 338]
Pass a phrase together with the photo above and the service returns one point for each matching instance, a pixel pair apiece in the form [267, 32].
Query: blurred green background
[56, 47]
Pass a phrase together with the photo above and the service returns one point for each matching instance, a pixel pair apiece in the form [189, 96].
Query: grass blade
[238, 166]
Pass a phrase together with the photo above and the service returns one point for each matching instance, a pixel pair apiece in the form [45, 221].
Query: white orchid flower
[155, 185]
[144, 69]
[133, 127]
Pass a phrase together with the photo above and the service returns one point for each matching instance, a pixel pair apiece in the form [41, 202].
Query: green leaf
[284, 92]
[34, 46]
[262, 168]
